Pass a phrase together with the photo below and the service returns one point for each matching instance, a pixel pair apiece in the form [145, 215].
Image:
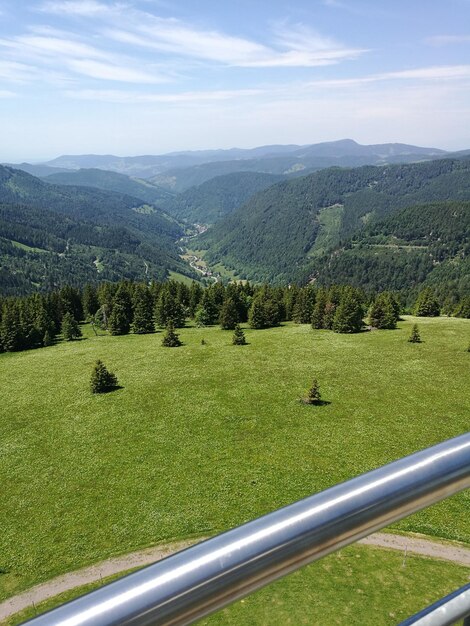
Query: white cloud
[294, 46]
[7, 94]
[444, 40]
[439, 72]
[86, 8]
[106, 71]
[189, 97]
[15, 72]
[433, 73]
[56, 47]
[46, 50]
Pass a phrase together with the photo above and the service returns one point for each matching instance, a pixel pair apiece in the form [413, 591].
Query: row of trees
[121, 308]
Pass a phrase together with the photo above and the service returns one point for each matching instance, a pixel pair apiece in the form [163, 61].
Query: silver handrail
[444, 612]
[199, 580]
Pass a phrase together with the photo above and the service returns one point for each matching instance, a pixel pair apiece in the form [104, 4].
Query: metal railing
[444, 612]
[199, 580]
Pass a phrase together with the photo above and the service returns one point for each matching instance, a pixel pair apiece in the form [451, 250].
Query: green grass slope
[204, 437]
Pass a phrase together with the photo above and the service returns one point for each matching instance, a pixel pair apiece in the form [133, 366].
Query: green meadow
[204, 437]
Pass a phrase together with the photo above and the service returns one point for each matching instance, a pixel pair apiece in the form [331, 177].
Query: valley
[243, 225]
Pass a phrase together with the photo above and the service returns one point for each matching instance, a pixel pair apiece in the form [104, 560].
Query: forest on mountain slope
[111, 181]
[280, 232]
[51, 235]
[422, 245]
[209, 202]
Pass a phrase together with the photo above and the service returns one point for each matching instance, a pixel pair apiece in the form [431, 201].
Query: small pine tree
[47, 339]
[313, 394]
[415, 336]
[256, 315]
[102, 379]
[170, 338]
[228, 315]
[70, 328]
[238, 338]
[143, 311]
[426, 304]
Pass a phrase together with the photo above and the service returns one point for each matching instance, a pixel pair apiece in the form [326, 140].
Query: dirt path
[404, 543]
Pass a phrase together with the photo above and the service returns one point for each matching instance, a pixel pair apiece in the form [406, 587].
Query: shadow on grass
[109, 390]
[318, 403]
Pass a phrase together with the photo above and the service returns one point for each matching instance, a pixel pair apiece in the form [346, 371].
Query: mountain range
[178, 171]
[352, 224]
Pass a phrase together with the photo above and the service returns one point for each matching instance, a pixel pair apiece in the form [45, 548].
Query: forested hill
[209, 202]
[52, 235]
[111, 181]
[426, 244]
[85, 203]
[278, 232]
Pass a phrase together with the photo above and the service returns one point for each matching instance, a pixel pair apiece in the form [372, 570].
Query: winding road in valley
[194, 261]
[413, 544]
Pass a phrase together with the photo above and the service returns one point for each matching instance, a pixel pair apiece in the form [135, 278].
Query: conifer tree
[382, 313]
[272, 312]
[90, 301]
[47, 339]
[348, 315]
[208, 310]
[195, 295]
[303, 309]
[102, 380]
[118, 321]
[70, 328]
[335, 295]
[11, 332]
[290, 299]
[228, 315]
[463, 308]
[256, 316]
[70, 301]
[414, 336]
[426, 304]
[318, 313]
[143, 311]
[238, 338]
[168, 309]
[170, 338]
[313, 394]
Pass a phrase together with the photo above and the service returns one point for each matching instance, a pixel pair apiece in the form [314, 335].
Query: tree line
[121, 308]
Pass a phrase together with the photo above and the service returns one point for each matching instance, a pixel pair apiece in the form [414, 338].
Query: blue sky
[151, 76]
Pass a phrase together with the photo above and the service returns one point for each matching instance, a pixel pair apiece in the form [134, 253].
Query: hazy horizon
[152, 77]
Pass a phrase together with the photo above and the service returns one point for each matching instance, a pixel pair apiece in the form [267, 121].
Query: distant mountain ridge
[147, 166]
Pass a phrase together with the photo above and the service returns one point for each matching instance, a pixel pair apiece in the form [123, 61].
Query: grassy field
[204, 437]
[358, 585]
